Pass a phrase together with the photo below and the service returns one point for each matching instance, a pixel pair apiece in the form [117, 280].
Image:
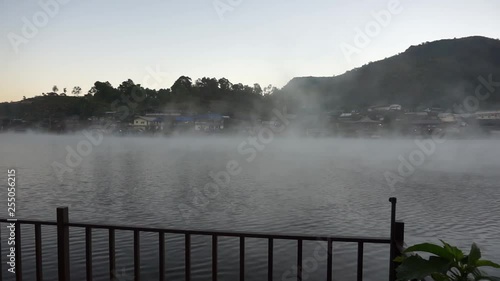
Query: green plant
[447, 263]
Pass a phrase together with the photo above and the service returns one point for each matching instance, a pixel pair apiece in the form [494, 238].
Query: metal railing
[396, 241]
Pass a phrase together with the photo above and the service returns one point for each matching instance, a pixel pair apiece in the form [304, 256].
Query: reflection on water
[308, 186]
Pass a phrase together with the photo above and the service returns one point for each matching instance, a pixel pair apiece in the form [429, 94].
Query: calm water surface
[306, 186]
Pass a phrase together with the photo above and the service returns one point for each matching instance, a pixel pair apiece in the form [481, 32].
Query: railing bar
[270, 259]
[214, 257]
[187, 252]
[19, 268]
[242, 258]
[360, 261]
[88, 253]
[112, 259]
[33, 222]
[1, 255]
[63, 258]
[299, 260]
[399, 239]
[347, 239]
[374, 240]
[329, 273]
[392, 255]
[162, 255]
[137, 255]
[38, 252]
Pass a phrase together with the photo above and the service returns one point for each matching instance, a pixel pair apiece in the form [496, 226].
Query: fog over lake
[289, 185]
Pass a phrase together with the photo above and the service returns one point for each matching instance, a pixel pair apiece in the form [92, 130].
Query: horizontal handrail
[351, 239]
[34, 222]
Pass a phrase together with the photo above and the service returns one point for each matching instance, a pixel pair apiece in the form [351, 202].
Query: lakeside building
[143, 123]
[166, 113]
[488, 119]
[204, 123]
[209, 123]
[488, 115]
[374, 121]
[392, 107]
[13, 125]
[183, 124]
[357, 125]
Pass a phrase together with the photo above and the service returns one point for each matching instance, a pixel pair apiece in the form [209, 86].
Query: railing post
[63, 243]
[1, 255]
[393, 253]
[399, 239]
[19, 267]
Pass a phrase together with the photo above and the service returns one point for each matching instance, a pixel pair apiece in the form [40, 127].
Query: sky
[153, 42]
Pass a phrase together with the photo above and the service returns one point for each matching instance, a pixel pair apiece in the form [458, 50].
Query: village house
[209, 122]
[144, 123]
[183, 123]
[488, 115]
[490, 119]
[354, 124]
[166, 113]
[392, 107]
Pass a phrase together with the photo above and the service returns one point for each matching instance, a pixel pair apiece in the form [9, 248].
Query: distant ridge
[440, 73]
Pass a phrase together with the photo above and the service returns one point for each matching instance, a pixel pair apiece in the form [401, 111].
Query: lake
[286, 185]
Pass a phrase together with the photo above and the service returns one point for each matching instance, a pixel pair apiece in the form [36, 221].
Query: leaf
[476, 272]
[399, 259]
[441, 265]
[431, 248]
[480, 263]
[474, 255]
[415, 267]
[456, 252]
[440, 277]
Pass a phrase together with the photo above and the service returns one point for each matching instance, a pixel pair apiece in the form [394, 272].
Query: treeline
[201, 96]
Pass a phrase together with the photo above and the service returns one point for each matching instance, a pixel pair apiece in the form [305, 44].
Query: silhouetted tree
[257, 89]
[76, 91]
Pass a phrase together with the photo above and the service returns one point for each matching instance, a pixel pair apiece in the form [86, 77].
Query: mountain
[440, 73]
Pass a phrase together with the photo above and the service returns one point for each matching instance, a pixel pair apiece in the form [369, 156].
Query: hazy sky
[78, 42]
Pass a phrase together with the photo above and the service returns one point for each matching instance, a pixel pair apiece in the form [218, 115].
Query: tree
[65, 91]
[182, 84]
[104, 91]
[92, 91]
[225, 85]
[257, 89]
[126, 87]
[238, 87]
[208, 88]
[76, 91]
[55, 89]
[269, 90]
[182, 88]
